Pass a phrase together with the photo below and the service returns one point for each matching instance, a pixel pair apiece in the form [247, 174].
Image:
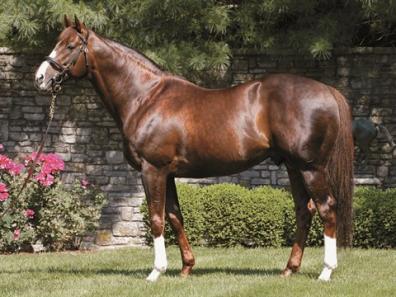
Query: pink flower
[3, 196]
[29, 213]
[17, 234]
[3, 192]
[3, 161]
[15, 169]
[3, 187]
[84, 183]
[1, 147]
[49, 180]
[10, 166]
[50, 164]
[45, 179]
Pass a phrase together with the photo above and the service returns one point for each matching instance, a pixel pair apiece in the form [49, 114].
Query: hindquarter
[304, 119]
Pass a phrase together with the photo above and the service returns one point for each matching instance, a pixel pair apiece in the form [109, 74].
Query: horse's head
[68, 58]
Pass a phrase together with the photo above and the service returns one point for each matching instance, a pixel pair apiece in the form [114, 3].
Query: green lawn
[218, 272]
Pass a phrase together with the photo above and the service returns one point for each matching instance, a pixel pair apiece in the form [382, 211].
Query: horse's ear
[80, 27]
[67, 21]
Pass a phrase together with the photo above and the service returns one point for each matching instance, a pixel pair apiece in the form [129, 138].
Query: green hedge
[375, 218]
[229, 215]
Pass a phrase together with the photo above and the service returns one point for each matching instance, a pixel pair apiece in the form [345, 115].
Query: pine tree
[195, 38]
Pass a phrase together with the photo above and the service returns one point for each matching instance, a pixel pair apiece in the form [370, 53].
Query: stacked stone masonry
[86, 137]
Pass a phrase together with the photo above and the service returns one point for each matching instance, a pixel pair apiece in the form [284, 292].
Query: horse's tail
[340, 170]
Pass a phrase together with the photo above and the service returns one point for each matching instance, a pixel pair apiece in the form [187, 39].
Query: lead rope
[51, 113]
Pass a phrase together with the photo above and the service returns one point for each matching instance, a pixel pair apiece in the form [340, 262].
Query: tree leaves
[190, 36]
[321, 49]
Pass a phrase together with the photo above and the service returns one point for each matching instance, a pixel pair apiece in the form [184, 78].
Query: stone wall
[86, 137]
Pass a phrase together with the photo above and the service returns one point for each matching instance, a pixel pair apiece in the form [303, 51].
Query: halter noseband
[64, 71]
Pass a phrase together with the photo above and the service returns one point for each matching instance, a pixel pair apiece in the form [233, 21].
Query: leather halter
[65, 71]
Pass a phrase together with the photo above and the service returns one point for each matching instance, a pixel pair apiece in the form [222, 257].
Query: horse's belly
[207, 167]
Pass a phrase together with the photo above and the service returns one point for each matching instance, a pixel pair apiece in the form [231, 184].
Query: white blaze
[160, 261]
[43, 69]
[330, 257]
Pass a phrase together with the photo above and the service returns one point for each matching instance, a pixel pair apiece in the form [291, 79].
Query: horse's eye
[70, 46]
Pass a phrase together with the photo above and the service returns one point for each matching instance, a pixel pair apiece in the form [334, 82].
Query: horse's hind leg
[175, 218]
[318, 187]
[304, 214]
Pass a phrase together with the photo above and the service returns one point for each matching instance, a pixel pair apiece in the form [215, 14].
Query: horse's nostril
[40, 78]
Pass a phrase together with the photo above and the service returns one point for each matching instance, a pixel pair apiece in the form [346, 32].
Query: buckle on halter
[56, 88]
[58, 79]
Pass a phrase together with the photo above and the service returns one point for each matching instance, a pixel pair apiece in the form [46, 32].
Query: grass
[218, 272]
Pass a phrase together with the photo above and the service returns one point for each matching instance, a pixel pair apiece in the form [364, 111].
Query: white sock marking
[325, 274]
[160, 261]
[330, 258]
[153, 276]
[330, 255]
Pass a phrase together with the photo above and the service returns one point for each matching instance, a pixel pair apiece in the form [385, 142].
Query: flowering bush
[46, 210]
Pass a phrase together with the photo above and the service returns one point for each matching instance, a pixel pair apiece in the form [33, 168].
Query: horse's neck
[121, 76]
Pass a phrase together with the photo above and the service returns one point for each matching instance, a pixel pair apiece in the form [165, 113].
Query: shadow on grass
[142, 273]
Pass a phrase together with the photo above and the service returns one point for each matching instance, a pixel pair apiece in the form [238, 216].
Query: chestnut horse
[174, 128]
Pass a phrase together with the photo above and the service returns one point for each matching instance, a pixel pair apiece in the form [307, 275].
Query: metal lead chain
[52, 107]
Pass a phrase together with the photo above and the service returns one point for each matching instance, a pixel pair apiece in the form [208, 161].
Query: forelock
[67, 33]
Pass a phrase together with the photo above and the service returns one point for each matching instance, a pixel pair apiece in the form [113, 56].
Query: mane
[139, 58]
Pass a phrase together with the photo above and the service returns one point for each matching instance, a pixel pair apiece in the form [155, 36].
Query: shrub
[46, 210]
[238, 216]
[227, 215]
[190, 198]
[224, 215]
[64, 215]
[193, 210]
[374, 218]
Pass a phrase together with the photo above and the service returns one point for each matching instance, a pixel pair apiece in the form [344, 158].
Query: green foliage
[64, 215]
[230, 215]
[321, 49]
[193, 37]
[12, 215]
[224, 218]
[36, 23]
[315, 235]
[375, 218]
[190, 198]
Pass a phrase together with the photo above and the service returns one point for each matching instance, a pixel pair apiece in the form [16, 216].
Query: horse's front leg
[175, 218]
[154, 182]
